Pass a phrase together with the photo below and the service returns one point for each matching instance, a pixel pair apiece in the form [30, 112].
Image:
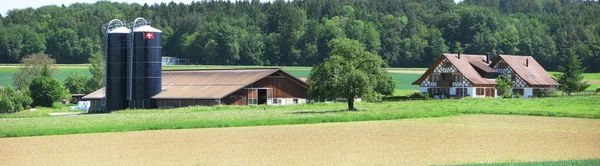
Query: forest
[405, 33]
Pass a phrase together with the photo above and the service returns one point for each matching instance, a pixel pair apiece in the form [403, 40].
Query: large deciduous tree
[32, 66]
[350, 72]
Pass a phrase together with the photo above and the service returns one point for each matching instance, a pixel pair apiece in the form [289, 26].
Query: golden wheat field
[446, 140]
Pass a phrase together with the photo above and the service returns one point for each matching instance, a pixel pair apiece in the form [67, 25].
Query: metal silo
[145, 64]
[116, 43]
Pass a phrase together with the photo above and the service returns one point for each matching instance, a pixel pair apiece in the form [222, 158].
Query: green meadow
[403, 80]
[6, 74]
[543, 163]
[39, 122]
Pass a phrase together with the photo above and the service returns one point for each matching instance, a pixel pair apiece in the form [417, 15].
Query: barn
[209, 87]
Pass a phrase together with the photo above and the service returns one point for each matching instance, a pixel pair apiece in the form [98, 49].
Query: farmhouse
[463, 75]
[208, 87]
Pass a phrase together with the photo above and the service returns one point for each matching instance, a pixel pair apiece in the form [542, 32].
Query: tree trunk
[351, 104]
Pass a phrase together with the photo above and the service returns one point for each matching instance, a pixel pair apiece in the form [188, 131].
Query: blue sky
[21, 4]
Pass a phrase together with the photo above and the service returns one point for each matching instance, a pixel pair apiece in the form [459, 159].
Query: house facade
[465, 75]
[527, 75]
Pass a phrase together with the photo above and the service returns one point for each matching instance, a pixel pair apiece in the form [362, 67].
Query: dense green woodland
[405, 33]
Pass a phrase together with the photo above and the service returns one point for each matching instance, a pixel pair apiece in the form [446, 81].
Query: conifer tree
[571, 76]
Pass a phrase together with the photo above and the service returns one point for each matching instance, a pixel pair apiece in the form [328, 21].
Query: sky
[21, 4]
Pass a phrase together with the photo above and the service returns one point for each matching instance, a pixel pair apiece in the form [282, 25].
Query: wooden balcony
[444, 83]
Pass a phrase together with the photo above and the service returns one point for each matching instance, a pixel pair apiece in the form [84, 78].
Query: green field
[6, 74]
[592, 78]
[543, 163]
[31, 124]
[403, 80]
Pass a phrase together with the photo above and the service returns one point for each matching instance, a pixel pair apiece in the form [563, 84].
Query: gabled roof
[98, 94]
[533, 74]
[464, 65]
[207, 83]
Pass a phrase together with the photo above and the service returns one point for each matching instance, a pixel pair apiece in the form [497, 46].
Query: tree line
[404, 33]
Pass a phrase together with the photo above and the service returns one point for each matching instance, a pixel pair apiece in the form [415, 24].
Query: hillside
[405, 33]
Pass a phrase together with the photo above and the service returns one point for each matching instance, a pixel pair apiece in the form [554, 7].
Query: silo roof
[146, 28]
[120, 30]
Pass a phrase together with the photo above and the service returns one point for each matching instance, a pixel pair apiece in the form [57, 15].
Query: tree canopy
[404, 33]
[350, 72]
[32, 66]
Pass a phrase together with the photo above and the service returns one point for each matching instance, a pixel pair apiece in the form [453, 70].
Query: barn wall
[238, 98]
[174, 103]
[283, 87]
[96, 106]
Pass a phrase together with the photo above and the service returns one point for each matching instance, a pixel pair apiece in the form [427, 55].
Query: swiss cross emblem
[148, 35]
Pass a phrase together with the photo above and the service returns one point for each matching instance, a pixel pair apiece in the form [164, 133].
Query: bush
[6, 105]
[419, 95]
[45, 91]
[547, 93]
[19, 100]
[77, 83]
[412, 96]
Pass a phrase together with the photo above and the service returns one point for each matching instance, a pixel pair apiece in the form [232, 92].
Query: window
[458, 77]
[295, 101]
[438, 91]
[252, 101]
[480, 92]
[434, 77]
[461, 91]
[432, 91]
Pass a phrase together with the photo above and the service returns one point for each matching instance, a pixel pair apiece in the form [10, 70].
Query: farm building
[165, 60]
[463, 75]
[208, 87]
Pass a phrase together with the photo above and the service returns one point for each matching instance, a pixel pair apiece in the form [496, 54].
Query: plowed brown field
[447, 140]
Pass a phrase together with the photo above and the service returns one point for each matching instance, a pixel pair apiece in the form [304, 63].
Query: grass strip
[543, 163]
[236, 116]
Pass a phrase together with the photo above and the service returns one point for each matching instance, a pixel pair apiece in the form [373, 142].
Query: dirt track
[448, 140]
